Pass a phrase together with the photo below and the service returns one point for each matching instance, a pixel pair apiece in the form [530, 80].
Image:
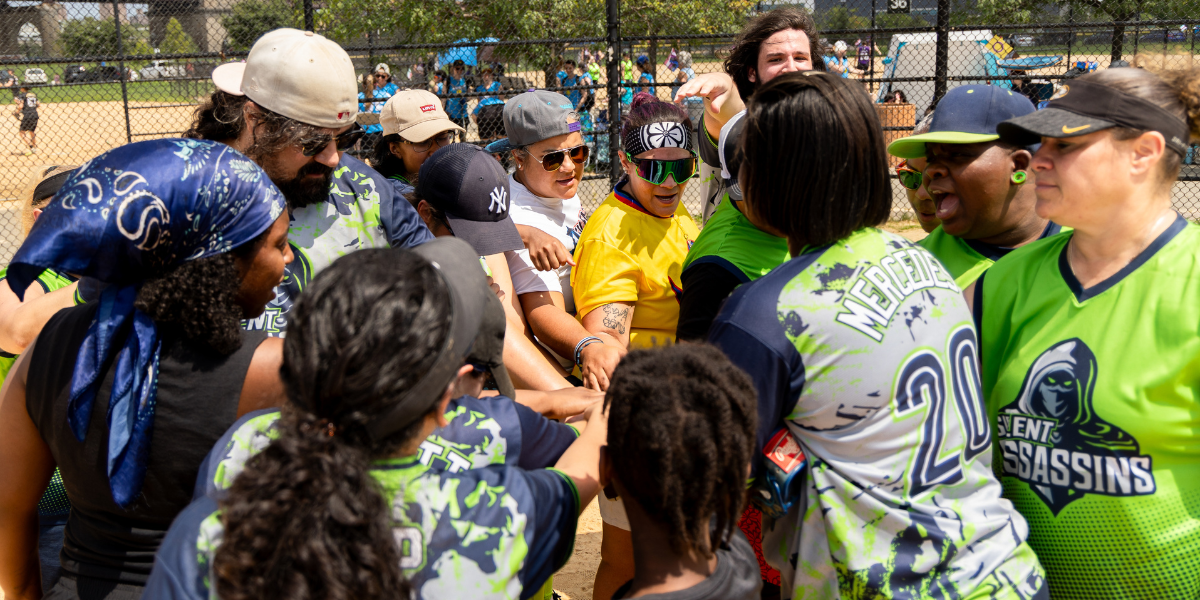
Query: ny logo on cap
[428, 108]
[499, 202]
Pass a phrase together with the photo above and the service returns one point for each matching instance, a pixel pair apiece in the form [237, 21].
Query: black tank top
[198, 393]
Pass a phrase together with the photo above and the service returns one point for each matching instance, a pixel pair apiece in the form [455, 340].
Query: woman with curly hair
[342, 503]
[126, 394]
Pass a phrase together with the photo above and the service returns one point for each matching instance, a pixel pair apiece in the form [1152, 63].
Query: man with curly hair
[268, 108]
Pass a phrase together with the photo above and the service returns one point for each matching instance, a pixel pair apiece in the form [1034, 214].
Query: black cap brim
[487, 237]
[1029, 129]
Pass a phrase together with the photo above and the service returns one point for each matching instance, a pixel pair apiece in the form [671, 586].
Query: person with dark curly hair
[126, 394]
[680, 438]
[269, 108]
[341, 504]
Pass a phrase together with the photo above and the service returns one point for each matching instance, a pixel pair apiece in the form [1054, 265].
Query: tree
[177, 41]
[1008, 11]
[95, 37]
[250, 19]
[840, 18]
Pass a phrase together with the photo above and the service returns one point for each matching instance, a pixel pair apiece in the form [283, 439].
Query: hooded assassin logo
[1053, 439]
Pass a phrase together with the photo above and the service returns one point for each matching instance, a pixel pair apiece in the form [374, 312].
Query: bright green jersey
[1093, 395]
[50, 280]
[966, 260]
[732, 241]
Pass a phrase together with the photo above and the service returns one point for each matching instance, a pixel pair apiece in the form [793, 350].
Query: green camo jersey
[730, 239]
[865, 351]
[968, 259]
[1093, 395]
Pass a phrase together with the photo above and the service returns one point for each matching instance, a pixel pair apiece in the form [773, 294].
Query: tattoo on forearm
[614, 317]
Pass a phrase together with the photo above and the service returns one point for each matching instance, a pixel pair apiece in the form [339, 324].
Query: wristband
[584, 343]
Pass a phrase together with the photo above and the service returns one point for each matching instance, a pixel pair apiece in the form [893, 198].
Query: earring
[1018, 177]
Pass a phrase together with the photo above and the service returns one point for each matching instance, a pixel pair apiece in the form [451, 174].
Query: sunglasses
[656, 171]
[909, 177]
[438, 141]
[345, 141]
[551, 161]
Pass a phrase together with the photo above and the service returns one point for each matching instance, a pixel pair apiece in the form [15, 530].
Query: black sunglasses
[345, 141]
[551, 161]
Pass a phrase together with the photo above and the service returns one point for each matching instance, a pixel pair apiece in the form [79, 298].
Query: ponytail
[306, 519]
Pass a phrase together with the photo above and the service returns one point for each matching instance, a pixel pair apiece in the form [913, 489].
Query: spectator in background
[896, 97]
[837, 63]
[455, 86]
[439, 82]
[865, 51]
[626, 67]
[488, 114]
[693, 104]
[372, 99]
[645, 80]
[568, 77]
[628, 264]
[26, 109]
[588, 97]
[414, 126]
[594, 69]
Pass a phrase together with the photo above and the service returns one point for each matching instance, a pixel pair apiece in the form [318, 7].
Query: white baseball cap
[383, 67]
[298, 74]
[416, 115]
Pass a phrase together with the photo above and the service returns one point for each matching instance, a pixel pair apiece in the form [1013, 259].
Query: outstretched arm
[721, 99]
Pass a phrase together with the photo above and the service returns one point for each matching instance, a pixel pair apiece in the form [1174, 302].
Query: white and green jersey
[866, 351]
[1095, 396]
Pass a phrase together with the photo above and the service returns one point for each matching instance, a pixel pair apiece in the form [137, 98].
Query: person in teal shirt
[489, 113]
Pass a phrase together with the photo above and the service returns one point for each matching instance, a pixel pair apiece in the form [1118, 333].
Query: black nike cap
[1082, 107]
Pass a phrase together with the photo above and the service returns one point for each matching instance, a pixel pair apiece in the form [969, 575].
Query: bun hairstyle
[1176, 91]
[646, 108]
[804, 133]
[306, 519]
[681, 432]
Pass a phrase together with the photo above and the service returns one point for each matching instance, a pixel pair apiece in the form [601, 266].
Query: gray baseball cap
[534, 116]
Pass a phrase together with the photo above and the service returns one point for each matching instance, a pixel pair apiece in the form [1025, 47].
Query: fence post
[308, 15]
[614, 89]
[942, 50]
[121, 66]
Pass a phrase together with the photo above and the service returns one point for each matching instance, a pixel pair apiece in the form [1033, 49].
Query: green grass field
[139, 91]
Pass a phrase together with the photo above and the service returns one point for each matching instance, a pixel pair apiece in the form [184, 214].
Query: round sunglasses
[655, 171]
[909, 177]
[345, 141]
[553, 160]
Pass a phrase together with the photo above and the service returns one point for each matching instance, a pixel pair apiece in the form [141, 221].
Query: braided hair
[681, 428]
[306, 519]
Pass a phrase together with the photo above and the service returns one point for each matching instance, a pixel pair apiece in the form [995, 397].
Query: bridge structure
[201, 19]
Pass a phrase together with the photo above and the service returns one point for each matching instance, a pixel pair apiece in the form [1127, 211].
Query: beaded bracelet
[584, 343]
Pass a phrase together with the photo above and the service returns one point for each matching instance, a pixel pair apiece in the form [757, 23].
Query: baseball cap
[535, 116]
[460, 264]
[967, 114]
[298, 74]
[383, 67]
[416, 115]
[1083, 107]
[471, 188]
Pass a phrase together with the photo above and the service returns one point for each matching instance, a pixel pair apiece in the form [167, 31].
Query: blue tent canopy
[1029, 63]
[465, 53]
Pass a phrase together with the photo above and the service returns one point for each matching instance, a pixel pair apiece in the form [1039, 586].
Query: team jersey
[497, 532]
[380, 97]
[456, 108]
[1094, 394]
[627, 254]
[361, 211]
[966, 260]
[480, 432]
[28, 103]
[730, 240]
[493, 88]
[865, 351]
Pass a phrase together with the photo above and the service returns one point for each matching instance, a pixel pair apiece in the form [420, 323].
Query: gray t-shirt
[736, 578]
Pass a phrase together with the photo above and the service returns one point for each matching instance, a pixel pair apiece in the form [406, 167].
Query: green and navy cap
[967, 114]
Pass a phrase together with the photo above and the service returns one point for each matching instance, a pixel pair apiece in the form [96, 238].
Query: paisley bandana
[664, 134]
[125, 215]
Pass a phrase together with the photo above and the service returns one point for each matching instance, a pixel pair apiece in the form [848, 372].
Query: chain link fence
[104, 74]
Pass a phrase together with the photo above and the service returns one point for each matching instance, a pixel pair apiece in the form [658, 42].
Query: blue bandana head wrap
[123, 217]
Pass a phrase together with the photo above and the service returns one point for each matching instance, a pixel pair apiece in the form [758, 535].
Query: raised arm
[721, 99]
[21, 322]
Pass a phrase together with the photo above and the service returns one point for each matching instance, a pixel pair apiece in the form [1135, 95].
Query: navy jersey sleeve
[181, 568]
[706, 285]
[401, 223]
[557, 513]
[543, 440]
[748, 331]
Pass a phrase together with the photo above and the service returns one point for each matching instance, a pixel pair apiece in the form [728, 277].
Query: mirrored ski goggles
[551, 161]
[909, 177]
[345, 141]
[656, 171]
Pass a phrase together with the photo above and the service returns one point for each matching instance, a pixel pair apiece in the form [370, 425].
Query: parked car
[1022, 40]
[1163, 35]
[85, 74]
[163, 69]
[35, 76]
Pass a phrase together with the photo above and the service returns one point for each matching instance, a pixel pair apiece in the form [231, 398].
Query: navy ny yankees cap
[471, 189]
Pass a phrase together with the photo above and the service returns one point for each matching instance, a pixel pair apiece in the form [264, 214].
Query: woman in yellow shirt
[627, 266]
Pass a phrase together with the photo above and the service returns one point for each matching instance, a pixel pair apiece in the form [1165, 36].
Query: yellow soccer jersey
[627, 254]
